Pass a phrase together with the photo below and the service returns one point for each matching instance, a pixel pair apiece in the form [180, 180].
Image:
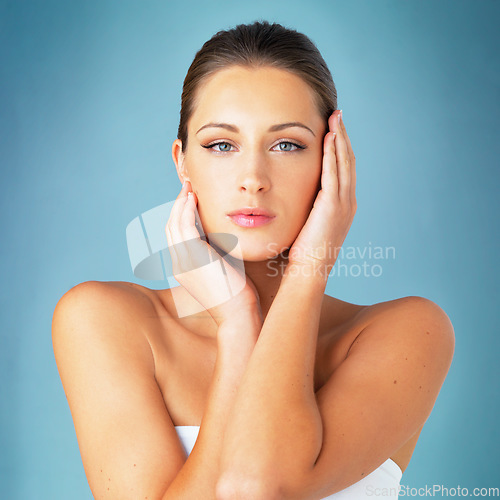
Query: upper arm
[128, 443]
[383, 391]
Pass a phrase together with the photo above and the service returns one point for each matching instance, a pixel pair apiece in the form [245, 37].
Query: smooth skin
[298, 394]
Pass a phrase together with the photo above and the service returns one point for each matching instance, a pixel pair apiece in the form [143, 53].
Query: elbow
[243, 486]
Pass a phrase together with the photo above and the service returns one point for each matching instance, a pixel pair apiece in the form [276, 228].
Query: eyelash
[211, 145]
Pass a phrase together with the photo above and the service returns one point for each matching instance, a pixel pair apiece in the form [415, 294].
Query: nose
[254, 175]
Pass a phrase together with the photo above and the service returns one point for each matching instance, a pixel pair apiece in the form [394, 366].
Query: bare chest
[185, 356]
[185, 362]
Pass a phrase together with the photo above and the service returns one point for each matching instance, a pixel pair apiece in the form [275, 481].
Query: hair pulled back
[257, 45]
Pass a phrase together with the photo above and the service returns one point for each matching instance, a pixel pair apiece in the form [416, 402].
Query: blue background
[90, 97]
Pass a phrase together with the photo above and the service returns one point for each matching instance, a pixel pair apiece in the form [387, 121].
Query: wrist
[244, 305]
[246, 323]
[238, 312]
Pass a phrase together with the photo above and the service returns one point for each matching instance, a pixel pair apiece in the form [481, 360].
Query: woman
[295, 394]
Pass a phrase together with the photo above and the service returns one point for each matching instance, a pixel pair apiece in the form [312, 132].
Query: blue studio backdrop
[89, 108]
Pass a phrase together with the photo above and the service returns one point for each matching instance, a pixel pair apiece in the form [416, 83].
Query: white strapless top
[383, 482]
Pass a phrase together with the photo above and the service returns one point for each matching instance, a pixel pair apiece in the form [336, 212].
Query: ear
[179, 157]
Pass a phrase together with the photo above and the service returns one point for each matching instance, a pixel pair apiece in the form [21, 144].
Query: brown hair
[256, 45]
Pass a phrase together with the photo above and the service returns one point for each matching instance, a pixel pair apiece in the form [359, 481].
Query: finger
[182, 218]
[343, 161]
[177, 211]
[347, 140]
[352, 159]
[178, 205]
[198, 248]
[186, 248]
[329, 179]
[187, 218]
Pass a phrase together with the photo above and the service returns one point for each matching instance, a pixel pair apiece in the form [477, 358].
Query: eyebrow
[273, 128]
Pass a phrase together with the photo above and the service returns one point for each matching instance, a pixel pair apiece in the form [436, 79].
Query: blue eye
[224, 147]
[287, 146]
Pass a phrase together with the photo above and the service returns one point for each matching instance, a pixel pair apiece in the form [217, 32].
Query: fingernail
[338, 118]
[341, 115]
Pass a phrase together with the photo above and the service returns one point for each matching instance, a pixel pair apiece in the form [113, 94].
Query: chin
[252, 246]
[258, 251]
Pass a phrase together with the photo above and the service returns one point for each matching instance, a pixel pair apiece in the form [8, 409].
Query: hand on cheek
[326, 228]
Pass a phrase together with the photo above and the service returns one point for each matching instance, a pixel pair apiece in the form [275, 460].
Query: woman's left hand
[316, 247]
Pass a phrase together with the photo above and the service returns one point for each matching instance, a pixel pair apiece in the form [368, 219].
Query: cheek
[307, 182]
[305, 187]
[203, 183]
[211, 193]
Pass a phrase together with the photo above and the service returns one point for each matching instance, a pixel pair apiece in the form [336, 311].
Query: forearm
[275, 423]
[199, 474]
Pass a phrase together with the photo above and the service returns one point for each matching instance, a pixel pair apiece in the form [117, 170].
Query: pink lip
[251, 217]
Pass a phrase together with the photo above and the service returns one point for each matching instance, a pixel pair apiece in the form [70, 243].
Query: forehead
[262, 95]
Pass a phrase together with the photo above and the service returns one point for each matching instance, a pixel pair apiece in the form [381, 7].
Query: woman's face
[255, 143]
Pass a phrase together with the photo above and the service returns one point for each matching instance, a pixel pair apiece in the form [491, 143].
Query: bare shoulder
[399, 315]
[103, 295]
[392, 359]
[411, 302]
[116, 317]
[119, 306]
[104, 319]
[106, 363]
[410, 324]
[411, 314]
[410, 338]
[413, 325]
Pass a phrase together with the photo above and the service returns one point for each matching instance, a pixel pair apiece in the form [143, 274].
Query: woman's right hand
[224, 291]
